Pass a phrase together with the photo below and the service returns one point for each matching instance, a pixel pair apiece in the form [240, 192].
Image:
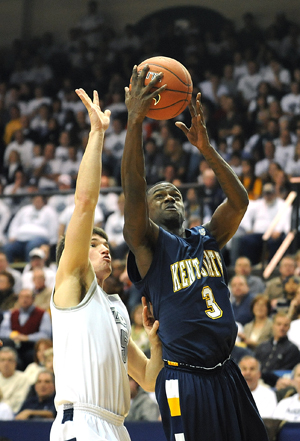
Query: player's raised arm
[74, 259]
[139, 231]
[229, 214]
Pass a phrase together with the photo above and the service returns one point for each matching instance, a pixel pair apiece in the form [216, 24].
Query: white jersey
[90, 352]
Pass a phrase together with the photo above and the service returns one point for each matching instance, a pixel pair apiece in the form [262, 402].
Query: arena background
[25, 18]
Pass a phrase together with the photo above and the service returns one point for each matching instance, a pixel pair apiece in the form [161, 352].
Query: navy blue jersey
[187, 287]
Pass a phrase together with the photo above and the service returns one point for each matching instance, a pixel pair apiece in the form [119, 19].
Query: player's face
[100, 257]
[166, 204]
[250, 370]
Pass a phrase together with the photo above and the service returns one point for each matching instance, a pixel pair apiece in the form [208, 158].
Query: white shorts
[86, 422]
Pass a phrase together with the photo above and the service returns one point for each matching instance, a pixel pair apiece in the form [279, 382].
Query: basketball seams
[169, 71]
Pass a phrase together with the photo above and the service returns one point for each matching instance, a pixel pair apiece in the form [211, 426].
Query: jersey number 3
[213, 310]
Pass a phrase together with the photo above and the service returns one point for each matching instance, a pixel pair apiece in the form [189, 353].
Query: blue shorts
[197, 404]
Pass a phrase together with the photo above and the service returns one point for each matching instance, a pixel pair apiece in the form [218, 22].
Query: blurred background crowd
[249, 79]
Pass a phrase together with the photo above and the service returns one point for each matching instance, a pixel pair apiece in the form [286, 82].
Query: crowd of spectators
[250, 84]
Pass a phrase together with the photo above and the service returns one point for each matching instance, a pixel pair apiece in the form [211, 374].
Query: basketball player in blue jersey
[93, 350]
[201, 392]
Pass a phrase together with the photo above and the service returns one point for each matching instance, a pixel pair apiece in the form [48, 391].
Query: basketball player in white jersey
[91, 330]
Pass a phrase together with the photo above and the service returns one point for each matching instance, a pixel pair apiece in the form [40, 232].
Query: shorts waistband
[110, 417]
[177, 364]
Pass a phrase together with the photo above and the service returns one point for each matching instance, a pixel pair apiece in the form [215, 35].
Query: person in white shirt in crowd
[290, 103]
[37, 260]
[38, 99]
[114, 229]
[284, 148]
[65, 217]
[258, 218]
[262, 167]
[6, 412]
[264, 397]
[292, 167]
[4, 266]
[60, 201]
[248, 84]
[61, 151]
[114, 145]
[72, 163]
[288, 409]
[212, 88]
[277, 76]
[5, 215]
[108, 201]
[13, 383]
[49, 170]
[32, 225]
[23, 146]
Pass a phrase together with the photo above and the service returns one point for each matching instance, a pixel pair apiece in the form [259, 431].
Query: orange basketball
[174, 99]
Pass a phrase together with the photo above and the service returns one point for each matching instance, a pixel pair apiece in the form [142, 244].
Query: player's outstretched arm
[229, 214]
[141, 368]
[138, 230]
[74, 260]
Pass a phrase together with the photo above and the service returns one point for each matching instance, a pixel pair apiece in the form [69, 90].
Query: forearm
[133, 163]
[153, 367]
[143, 370]
[89, 176]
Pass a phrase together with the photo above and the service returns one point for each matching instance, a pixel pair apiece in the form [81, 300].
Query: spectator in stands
[153, 162]
[288, 409]
[23, 146]
[48, 172]
[243, 267]
[114, 229]
[13, 383]
[257, 220]
[142, 407]
[60, 201]
[241, 299]
[275, 286]
[293, 164]
[5, 215]
[264, 397]
[4, 266]
[48, 359]
[290, 103]
[279, 353]
[40, 405]
[284, 148]
[26, 325]
[32, 225]
[294, 308]
[13, 124]
[65, 217]
[248, 84]
[42, 291]
[38, 364]
[18, 187]
[108, 200]
[8, 297]
[277, 76]
[260, 328]
[70, 167]
[262, 166]
[252, 183]
[91, 25]
[37, 261]
[211, 193]
[6, 412]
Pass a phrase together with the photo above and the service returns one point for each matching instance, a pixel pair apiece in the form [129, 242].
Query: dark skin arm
[228, 215]
[140, 232]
